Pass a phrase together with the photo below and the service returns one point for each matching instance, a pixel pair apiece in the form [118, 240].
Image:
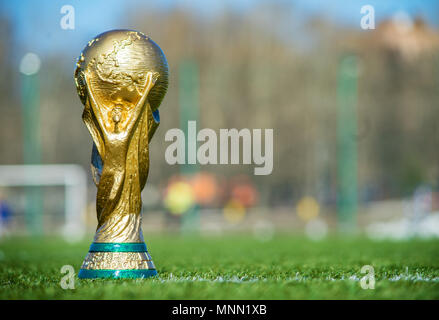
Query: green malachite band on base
[97, 247]
[117, 247]
[116, 274]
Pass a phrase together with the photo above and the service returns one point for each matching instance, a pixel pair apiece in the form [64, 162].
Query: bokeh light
[316, 229]
[179, 197]
[234, 211]
[243, 190]
[30, 64]
[308, 208]
[263, 230]
[205, 188]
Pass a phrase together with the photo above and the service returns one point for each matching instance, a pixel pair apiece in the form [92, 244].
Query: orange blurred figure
[243, 190]
[204, 186]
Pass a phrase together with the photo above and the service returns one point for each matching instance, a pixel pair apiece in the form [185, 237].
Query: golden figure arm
[151, 79]
[94, 106]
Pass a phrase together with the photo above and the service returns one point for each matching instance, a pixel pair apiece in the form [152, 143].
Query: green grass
[231, 267]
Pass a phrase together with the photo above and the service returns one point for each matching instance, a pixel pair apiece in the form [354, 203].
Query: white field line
[298, 278]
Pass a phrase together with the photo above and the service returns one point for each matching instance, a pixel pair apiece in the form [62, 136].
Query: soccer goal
[14, 178]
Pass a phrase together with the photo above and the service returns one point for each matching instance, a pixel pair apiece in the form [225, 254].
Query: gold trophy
[121, 78]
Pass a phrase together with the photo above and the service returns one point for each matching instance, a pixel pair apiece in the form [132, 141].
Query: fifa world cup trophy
[121, 78]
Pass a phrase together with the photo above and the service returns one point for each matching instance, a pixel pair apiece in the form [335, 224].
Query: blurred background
[354, 114]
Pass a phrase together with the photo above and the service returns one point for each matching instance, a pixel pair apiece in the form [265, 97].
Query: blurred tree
[266, 68]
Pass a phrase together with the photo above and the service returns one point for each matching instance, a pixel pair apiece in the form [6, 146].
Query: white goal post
[72, 176]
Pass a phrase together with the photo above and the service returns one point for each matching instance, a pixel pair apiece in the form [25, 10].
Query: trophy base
[116, 274]
[117, 261]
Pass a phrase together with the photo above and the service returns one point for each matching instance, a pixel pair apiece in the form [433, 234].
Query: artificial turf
[231, 267]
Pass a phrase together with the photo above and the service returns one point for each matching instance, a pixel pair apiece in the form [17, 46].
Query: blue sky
[36, 23]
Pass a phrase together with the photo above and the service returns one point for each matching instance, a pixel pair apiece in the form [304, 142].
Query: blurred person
[5, 214]
[243, 190]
